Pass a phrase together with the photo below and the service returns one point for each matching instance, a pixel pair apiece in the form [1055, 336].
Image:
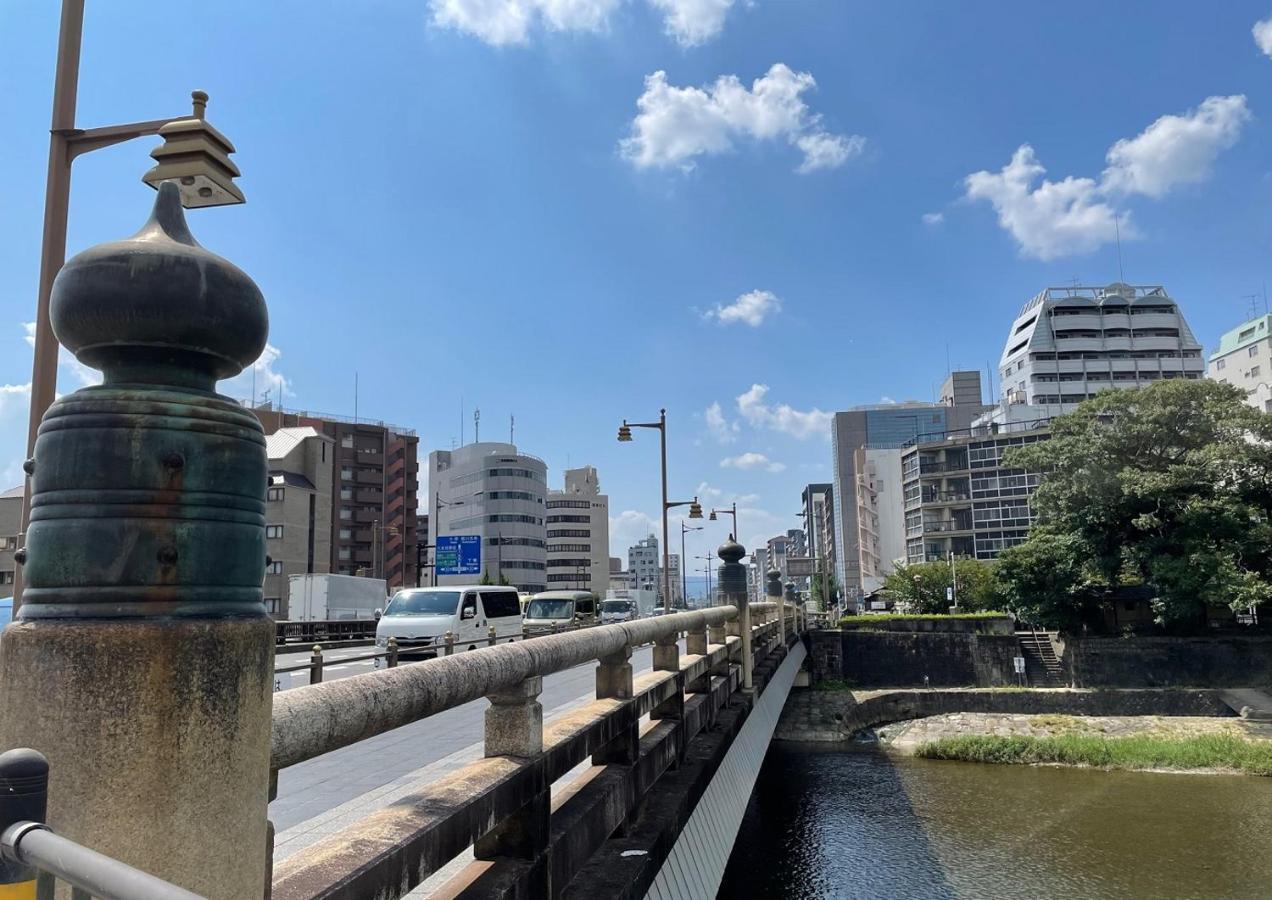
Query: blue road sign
[458, 554]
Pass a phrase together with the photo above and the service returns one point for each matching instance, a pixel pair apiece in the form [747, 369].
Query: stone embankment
[839, 715]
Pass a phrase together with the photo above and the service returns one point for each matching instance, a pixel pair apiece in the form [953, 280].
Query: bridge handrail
[309, 722]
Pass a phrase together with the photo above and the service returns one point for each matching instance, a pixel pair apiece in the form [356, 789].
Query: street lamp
[695, 509]
[731, 511]
[684, 560]
[706, 565]
[194, 155]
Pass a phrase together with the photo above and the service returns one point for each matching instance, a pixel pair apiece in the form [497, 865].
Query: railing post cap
[22, 762]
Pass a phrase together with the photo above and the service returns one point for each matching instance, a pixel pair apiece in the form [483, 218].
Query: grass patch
[1206, 751]
[833, 684]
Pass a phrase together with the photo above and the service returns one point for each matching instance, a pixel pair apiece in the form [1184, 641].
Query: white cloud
[627, 528]
[269, 382]
[886, 399]
[693, 22]
[933, 218]
[1176, 150]
[1263, 35]
[750, 308]
[501, 22]
[782, 417]
[675, 125]
[1053, 219]
[721, 428]
[1050, 219]
[752, 460]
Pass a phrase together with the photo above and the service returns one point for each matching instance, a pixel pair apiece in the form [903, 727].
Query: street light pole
[731, 511]
[684, 560]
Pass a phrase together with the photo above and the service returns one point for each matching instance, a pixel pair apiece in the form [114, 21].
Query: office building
[297, 510]
[374, 493]
[423, 546]
[677, 585]
[816, 500]
[1070, 343]
[1244, 359]
[644, 563]
[579, 562]
[865, 539]
[961, 500]
[500, 494]
[10, 522]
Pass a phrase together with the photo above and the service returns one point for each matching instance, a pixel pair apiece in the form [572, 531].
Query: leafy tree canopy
[921, 587]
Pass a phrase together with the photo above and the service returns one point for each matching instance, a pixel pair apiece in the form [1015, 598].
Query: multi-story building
[422, 546]
[581, 562]
[10, 522]
[677, 585]
[1241, 358]
[777, 549]
[297, 510]
[645, 565]
[374, 493]
[961, 500]
[494, 491]
[816, 499]
[1070, 343]
[862, 559]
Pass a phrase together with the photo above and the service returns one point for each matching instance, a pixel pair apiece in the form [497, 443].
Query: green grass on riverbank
[1205, 751]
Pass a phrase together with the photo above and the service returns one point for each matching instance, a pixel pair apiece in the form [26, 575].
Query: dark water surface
[857, 823]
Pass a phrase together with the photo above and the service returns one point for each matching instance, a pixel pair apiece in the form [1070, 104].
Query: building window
[1219, 365]
[346, 534]
[273, 531]
[347, 441]
[346, 553]
[1253, 351]
[346, 513]
[346, 474]
[272, 605]
[346, 493]
[1254, 371]
[274, 494]
[274, 568]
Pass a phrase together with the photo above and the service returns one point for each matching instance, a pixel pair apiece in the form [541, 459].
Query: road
[332, 667]
[374, 769]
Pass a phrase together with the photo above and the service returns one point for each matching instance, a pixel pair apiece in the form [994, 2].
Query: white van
[420, 617]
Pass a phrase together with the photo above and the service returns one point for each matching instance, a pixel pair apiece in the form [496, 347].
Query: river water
[856, 823]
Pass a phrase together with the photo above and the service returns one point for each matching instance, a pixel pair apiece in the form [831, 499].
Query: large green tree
[824, 601]
[922, 587]
[1169, 484]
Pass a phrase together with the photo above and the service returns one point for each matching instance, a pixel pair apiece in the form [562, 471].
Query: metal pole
[435, 529]
[57, 197]
[684, 565]
[662, 435]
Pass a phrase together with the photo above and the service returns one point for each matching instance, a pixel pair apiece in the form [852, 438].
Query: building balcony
[1154, 320]
[946, 526]
[941, 468]
[1079, 344]
[960, 496]
[1084, 321]
[368, 496]
[1153, 342]
[369, 478]
[366, 516]
[1117, 320]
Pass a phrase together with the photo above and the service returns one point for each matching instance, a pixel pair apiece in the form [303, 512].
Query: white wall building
[577, 524]
[1244, 359]
[492, 490]
[644, 563]
[1070, 343]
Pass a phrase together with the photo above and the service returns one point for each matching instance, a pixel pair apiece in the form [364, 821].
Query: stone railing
[501, 805]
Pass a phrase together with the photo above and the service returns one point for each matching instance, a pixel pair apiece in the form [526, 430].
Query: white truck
[328, 598]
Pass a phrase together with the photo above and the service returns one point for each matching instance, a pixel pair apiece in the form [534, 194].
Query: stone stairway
[1042, 664]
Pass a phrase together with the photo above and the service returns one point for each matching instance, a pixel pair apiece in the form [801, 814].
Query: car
[618, 611]
[420, 617]
[553, 611]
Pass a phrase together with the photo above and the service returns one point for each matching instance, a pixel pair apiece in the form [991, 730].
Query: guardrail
[33, 858]
[286, 632]
[500, 805]
[391, 654]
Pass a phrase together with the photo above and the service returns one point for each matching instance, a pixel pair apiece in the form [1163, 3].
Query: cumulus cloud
[628, 527]
[781, 417]
[1049, 219]
[721, 428]
[693, 22]
[676, 125]
[933, 218]
[1263, 35]
[750, 308]
[751, 460]
[270, 384]
[1176, 150]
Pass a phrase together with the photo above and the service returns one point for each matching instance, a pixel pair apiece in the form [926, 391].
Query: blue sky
[504, 201]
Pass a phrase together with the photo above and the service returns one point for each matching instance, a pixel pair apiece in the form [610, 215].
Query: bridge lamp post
[684, 560]
[731, 511]
[194, 155]
[695, 509]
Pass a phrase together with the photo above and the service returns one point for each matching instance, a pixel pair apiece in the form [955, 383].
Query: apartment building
[10, 522]
[1244, 358]
[1069, 343]
[864, 539]
[297, 510]
[581, 561]
[374, 492]
[499, 493]
[644, 563]
[961, 500]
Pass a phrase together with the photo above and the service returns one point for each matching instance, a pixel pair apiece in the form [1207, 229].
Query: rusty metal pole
[732, 586]
[141, 663]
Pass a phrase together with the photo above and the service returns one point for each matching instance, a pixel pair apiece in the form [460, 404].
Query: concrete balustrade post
[448, 643]
[141, 662]
[315, 664]
[514, 727]
[696, 645]
[614, 682]
[732, 581]
[667, 659]
[491, 636]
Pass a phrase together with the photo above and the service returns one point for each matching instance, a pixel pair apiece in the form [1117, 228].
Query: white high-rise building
[644, 562]
[1070, 343]
[1244, 358]
[578, 534]
[492, 490]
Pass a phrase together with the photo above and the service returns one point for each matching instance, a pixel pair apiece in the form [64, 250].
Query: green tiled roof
[1243, 334]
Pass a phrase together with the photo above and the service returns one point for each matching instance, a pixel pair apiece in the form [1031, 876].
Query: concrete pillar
[732, 580]
[667, 659]
[141, 663]
[773, 594]
[514, 720]
[614, 682]
[696, 645]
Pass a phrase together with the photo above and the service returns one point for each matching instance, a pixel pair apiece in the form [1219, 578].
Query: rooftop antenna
[355, 398]
[512, 428]
[1253, 298]
[476, 426]
[948, 368]
[1265, 298]
[1117, 230]
[989, 373]
[461, 420]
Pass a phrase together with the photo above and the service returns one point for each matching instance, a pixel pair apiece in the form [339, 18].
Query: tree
[1044, 580]
[922, 587]
[1169, 484]
[828, 578]
[485, 577]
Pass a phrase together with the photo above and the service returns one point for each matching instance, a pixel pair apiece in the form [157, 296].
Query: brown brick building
[374, 493]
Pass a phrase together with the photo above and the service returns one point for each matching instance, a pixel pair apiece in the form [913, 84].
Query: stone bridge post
[141, 661]
[732, 581]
